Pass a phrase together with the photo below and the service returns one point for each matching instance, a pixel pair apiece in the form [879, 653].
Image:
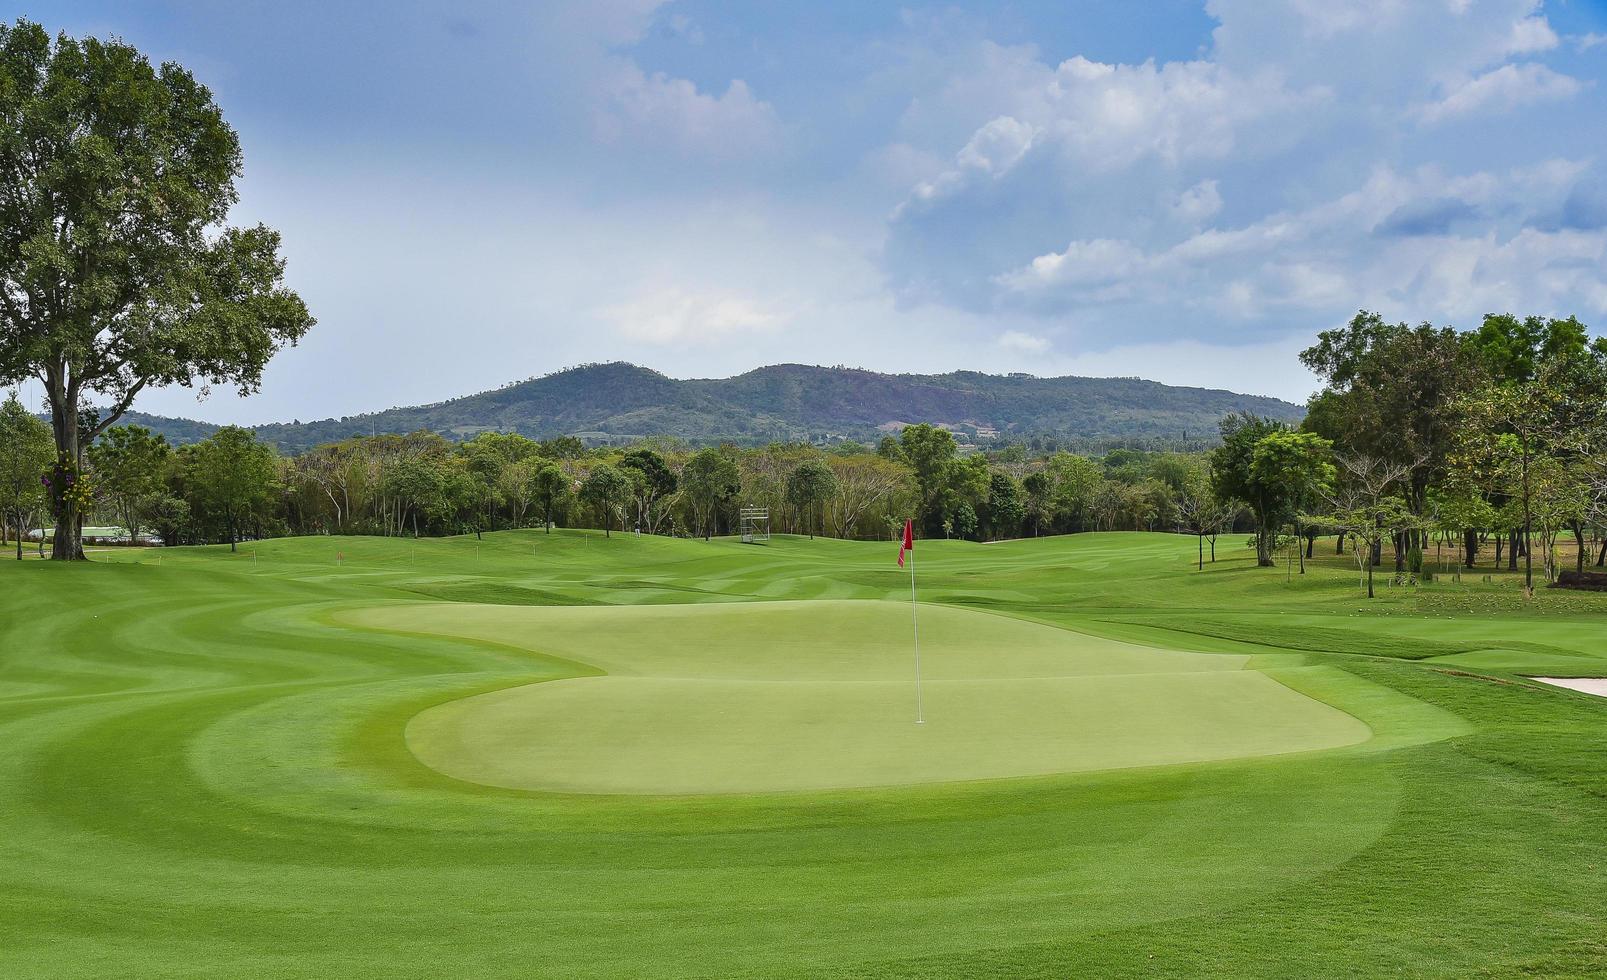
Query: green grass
[789, 696]
[208, 768]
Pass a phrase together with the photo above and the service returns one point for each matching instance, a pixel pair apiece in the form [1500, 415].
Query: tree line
[233, 486]
[1491, 440]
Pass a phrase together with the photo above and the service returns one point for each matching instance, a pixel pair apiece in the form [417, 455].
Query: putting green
[788, 696]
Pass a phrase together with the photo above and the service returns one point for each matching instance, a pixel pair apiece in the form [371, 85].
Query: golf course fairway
[573, 755]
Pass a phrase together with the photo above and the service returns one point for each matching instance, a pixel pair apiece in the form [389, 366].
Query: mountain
[618, 401]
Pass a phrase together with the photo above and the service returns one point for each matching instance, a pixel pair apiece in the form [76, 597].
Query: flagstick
[915, 618]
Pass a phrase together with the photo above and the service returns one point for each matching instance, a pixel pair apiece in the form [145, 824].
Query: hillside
[619, 401]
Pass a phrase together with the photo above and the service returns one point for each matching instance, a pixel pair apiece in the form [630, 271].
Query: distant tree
[931, 453]
[809, 486]
[1038, 494]
[169, 516]
[233, 474]
[1233, 476]
[1511, 428]
[130, 462]
[608, 491]
[515, 487]
[496, 461]
[710, 480]
[966, 489]
[1012, 459]
[1199, 511]
[863, 481]
[25, 455]
[549, 487]
[414, 483]
[1364, 502]
[1006, 506]
[1293, 469]
[963, 521]
[653, 485]
[1077, 482]
[116, 269]
[562, 447]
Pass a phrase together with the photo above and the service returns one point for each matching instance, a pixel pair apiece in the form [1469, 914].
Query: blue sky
[474, 193]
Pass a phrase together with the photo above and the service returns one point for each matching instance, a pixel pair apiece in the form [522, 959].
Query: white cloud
[1100, 118]
[998, 146]
[1344, 252]
[1531, 35]
[1025, 343]
[676, 316]
[991, 152]
[1584, 42]
[1199, 202]
[1502, 90]
[672, 110]
[1083, 263]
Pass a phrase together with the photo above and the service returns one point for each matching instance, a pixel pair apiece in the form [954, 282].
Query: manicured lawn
[244, 764]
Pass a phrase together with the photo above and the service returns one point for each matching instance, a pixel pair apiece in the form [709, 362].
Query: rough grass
[206, 774]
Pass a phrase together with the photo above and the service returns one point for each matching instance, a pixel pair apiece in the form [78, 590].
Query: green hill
[619, 401]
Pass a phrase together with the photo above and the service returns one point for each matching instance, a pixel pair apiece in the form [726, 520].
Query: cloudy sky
[476, 192]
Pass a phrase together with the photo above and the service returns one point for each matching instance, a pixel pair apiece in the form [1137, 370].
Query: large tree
[117, 270]
[24, 456]
[1389, 394]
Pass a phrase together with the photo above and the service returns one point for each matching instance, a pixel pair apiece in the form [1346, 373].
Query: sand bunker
[1589, 685]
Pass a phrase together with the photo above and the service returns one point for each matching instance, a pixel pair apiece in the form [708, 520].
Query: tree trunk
[1528, 560]
[1470, 544]
[1199, 567]
[1512, 551]
[1339, 543]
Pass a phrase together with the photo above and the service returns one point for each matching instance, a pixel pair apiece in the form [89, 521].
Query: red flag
[909, 542]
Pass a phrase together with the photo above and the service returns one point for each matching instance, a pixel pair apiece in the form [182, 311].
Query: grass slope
[207, 774]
